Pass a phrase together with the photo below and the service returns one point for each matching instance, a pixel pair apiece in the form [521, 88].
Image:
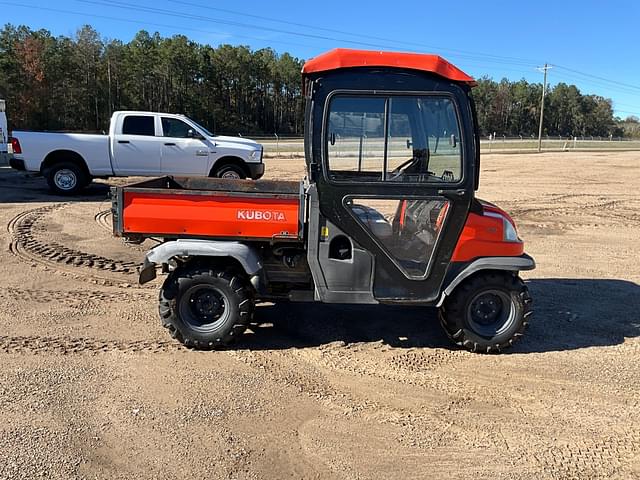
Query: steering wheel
[399, 170]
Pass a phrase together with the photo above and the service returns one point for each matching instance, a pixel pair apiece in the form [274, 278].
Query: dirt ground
[91, 386]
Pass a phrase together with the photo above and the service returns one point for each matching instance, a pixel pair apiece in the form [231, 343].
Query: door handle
[452, 193]
[123, 141]
[170, 144]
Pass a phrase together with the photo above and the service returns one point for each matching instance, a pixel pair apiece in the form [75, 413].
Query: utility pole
[544, 91]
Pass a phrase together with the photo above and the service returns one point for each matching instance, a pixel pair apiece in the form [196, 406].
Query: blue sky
[592, 44]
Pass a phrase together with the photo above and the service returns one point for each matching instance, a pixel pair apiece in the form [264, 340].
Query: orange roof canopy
[347, 58]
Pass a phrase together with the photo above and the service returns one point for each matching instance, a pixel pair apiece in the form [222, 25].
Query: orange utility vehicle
[386, 214]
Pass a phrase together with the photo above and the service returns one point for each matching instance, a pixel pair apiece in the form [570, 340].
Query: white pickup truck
[139, 143]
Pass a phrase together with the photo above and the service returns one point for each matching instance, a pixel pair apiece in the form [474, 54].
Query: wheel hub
[203, 307]
[65, 179]
[231, 174]
[207, 304]
[490, 312]
[487, 308]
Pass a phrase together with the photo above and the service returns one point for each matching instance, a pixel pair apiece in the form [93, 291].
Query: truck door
[396, 182]
[184, 150]
[135, 146]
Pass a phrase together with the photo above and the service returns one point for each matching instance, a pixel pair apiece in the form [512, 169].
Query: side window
[172, 127]
[355, 143]
[413, 139]
[440, 119]
[139, 125]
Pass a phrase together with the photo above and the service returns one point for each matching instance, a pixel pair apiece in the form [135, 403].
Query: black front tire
[66, 178]
[488, 312]
[205, 307]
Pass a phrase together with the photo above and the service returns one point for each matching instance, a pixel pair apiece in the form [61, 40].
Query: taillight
[15, 145]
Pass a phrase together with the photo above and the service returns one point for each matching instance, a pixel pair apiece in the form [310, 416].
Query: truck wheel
[231, 171]
[205, 308]
[66, 178]
[487, 312]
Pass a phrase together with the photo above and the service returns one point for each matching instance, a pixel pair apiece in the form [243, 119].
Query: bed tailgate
[209, 208]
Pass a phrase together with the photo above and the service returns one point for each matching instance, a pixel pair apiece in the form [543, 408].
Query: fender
[515, 264]
[244, 254]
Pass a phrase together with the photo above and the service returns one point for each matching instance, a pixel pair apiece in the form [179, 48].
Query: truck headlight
[256, 155]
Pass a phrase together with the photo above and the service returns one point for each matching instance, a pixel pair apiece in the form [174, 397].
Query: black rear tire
[66, 178]
[204, 307]
[487, 312]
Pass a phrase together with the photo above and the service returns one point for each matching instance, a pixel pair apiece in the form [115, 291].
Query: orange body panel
[483, 236]
[211, 215]
[347, 58]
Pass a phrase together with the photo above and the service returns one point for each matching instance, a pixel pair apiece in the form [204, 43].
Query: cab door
[395, 181]
[135, 147]
[184, 150]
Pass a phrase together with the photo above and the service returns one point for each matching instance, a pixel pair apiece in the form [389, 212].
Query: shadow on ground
[24, 187]
[568, 314]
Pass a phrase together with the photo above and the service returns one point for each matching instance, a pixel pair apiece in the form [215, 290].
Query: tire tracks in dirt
[34, 344]
[26, 244]
[73, 296]
[103, 219]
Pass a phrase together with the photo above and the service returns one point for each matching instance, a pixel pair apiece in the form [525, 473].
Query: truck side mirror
[453, 141]
[409, 144]
[191, 133]
[332, 139]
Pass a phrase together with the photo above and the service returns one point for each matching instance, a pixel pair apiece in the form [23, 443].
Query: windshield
[204, 130]
[401, 138]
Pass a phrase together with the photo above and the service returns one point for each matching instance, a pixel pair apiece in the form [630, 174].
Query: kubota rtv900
[386, 214]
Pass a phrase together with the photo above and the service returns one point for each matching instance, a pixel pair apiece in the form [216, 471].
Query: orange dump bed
[206, 207]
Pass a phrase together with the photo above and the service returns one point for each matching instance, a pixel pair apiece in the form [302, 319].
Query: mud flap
[147, 272]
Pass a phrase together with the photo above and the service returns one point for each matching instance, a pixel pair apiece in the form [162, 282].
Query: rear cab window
[139, 125]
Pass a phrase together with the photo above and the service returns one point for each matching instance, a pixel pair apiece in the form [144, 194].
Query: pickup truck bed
[216, 208]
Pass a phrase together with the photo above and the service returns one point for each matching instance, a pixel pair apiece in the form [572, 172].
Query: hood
[238, 140]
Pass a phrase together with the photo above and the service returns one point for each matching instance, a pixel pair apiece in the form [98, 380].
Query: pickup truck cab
[139, 144]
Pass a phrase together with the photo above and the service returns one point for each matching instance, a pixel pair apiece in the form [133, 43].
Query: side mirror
[453, 141]
[409, 144]
[332, 139]
[191, 133]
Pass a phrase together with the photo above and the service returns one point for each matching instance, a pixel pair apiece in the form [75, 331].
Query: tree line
[74, 84]
[62, 83]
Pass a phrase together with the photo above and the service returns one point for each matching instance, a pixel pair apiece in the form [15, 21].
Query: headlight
[510, 234]
[509, 231]
[256, 155]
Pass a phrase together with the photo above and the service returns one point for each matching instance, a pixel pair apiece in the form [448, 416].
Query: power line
[625, 111]
[583, 81]
[144, 22]
[342, 32]
[594, 79]
[173, 14]
[627, 85]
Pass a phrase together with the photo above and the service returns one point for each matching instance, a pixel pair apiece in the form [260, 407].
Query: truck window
[172, 127]
[139, 125]
[401, 138]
